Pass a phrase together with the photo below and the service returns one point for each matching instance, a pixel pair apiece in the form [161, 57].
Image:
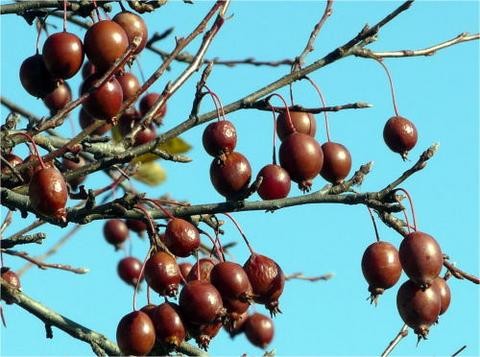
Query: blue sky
[438, 93]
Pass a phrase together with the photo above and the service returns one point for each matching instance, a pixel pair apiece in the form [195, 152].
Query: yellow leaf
[116, 135]
[175, 146]
[150, 173]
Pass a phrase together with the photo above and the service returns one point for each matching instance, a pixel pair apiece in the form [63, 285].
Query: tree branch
[460, 274]
[26, 239]
[401, 334]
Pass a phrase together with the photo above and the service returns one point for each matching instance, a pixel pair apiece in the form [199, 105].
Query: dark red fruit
[231, 281]
[48, 193]
[185, 269]
[147, 102]
[163, 274]
[115, 232]
[33, 166]
[105, 42]
[302, 157]
[219, 137]
[11, 278]
[63, 54]
[443, 290]
[87, 70]
[201, 302]
[168, 324]
[230, 175]
[136, 225]
[149, 309]
[400, 135]
[145, 135]
[206, 266]
[133, 26]
[421, 258]
[128, 120]
[237, 328]
[35, 77]
[129, 84]
[381, 267]
[72, 165]
[181, 237]
[104, 102]
[86, 120]
[275, 184]
[129, 269]
[267, 280]
[418, 308]
[135, 334]
[259, 330]
[58, 98]
[304, 123]
[13, 160]
[203, 334]
[337, 162]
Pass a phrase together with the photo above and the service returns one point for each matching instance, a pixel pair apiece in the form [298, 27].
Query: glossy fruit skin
[231, 281]
[133, 25]
[129, 84]
[136, 225]
[35, 77]
[219, 138]
[104, 102]
[200, 302]
[72, 165]
[87, 70]
[444, 291]
[181, 237]
[86, 119]
[63, 54]
[267, 280]
[58, 98]
[163, 274]
[302, 157]
[421, 258]
[259, 330]
[168, 323]
[276, 182]
[115, 232]
[337, 162]
[400, 135]
[13, 160]
[105, 42]
[418, 308]
[129, 269]
[303, 122]
[230, 175]
[203, 334]
[147, 101]
[127, 121]
[135, 334]
[48, 193]
[27, 174]
[237, 328]
[206, 266]
[381, 267]
[145, 135]
[11, 278]
[185, 269]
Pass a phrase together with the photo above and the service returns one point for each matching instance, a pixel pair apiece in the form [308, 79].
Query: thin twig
[6, 222]
[300, 276]
[43, 265]
[460, 274]
[26, 239]
[401, 334]
[460, 350]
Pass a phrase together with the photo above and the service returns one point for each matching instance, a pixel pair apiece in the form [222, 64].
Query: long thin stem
[215, 100]
[241, 232]
[377, 236]
[410, 200]
[64, 15]
[324, 103]
[289, 118]
[274, 140]
[390, 81]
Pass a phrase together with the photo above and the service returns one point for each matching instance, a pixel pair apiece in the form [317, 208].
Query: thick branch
[52, 318]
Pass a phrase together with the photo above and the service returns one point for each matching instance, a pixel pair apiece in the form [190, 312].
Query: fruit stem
[390, 81]
[164, 210]
[290, 90]
[99, 18]
[241, 232]
[29, 138]
[377, 236]
[411, 206]
[409, 229]
[134, 299]
[151, 225]
[218, 248]
[324, 103]
[64, 15]
[140, 69]
[217, 102]
[148, 294]
[198, 265]
[274, 154]
[289, 118]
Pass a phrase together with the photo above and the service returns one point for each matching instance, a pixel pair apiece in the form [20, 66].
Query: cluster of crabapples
[422, 298]
[44, 76]
[214, 292]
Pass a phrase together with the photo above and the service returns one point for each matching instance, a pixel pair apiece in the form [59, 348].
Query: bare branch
[300, 276]
[460, 274]
[460, 350]
[6, 222]
[26, 239]
[401, 334]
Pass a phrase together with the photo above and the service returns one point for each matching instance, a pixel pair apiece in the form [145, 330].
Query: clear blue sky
[439, 93]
